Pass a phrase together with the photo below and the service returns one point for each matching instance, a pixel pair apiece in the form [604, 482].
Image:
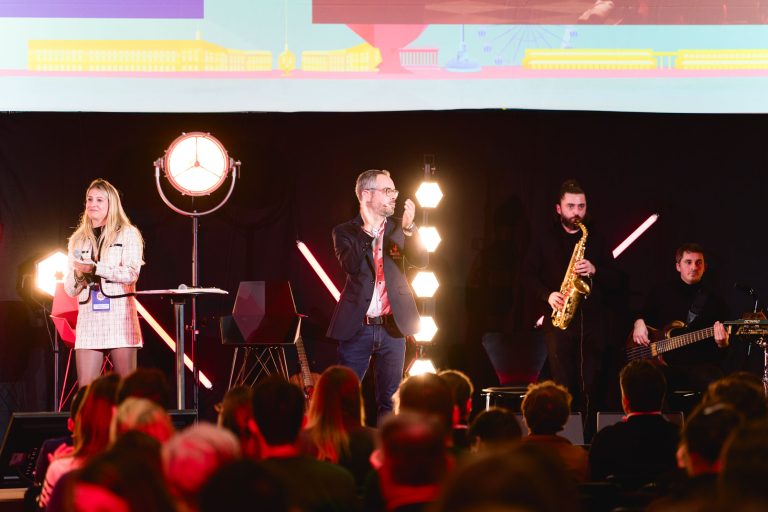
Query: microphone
[745, 288]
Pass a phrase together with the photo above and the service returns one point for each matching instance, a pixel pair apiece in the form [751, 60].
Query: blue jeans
[356, 352]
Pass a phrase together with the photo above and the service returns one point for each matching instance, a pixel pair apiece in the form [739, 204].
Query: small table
[179, 297]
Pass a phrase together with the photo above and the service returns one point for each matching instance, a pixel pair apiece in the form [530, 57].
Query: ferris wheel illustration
[505, 45]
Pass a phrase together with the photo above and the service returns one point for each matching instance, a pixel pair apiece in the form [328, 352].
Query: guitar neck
[660, 347]
[306, 375]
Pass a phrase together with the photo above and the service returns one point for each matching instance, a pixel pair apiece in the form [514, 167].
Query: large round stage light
[196, 164]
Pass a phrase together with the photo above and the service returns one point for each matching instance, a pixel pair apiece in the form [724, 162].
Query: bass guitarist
[692, 302]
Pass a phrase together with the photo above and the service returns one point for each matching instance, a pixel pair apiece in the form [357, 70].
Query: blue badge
[99, 301]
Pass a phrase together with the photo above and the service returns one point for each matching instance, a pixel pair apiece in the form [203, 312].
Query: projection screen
[380, 55]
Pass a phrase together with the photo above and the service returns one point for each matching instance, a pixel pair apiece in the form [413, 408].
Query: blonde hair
[336, 408]
[142, 415]
[115, 221]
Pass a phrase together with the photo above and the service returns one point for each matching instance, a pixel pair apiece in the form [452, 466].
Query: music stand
[264, 320]
[179, 297]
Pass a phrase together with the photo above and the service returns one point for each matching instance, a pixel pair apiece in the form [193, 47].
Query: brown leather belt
[377, 320]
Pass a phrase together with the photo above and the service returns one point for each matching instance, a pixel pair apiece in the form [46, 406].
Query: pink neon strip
[170, 342]
[319, 270]
[635, 235]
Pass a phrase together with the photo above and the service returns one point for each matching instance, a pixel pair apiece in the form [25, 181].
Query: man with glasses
[376, 309]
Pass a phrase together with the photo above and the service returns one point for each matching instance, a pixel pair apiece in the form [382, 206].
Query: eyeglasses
[390, 192]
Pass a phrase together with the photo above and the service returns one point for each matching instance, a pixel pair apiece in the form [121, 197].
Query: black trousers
[575, 356]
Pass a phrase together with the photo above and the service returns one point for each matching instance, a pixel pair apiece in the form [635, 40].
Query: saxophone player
[553, 264]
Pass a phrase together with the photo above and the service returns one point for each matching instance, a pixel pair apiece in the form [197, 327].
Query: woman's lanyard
[95, 285]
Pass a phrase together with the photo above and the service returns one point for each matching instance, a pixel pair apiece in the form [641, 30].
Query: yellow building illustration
[142, 56]
[722, 59]
[551, 58]
[362, 57]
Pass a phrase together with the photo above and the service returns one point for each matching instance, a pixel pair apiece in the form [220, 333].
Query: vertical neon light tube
[318, 270]
[642, 228]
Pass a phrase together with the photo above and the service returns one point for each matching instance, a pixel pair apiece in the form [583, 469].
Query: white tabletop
[184, 291]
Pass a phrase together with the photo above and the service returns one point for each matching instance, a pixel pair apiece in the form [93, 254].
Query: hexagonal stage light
[427, 330]
[430, 238]
[51, 270]
[429, 194]
[425, 284]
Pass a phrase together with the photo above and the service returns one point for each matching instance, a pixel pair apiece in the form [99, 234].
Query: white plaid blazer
[118, 268]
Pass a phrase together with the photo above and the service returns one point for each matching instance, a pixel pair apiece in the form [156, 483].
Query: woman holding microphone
[105, 256]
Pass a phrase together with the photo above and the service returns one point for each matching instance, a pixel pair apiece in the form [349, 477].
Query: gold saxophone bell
[574, 287]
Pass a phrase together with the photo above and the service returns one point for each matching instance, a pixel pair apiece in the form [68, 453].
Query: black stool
[510, 397]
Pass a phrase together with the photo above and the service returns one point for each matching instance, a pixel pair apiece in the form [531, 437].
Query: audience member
[520, 477]
[743, 391]
[143, 415]
[53, 447]
[336, 431]
[311, 484]
[243, 485]
[741, 483]
[702, 439]
[427, 394]
[149, 383]
[641, 448]
[91, 435]
[546, 408]
[128, 473]
[235, 411]
[462, 391]
[414, 463]
[494, 427]
[192, 456]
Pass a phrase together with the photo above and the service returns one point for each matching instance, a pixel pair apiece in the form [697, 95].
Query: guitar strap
[697, 306]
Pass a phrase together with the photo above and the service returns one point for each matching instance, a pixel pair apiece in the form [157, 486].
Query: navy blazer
[353, 248]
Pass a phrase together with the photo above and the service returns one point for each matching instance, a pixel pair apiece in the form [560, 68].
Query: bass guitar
[665, 340]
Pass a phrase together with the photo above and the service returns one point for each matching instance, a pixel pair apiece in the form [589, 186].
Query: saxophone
[574, 286]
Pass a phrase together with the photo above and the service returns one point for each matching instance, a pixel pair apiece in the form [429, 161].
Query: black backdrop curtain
[500, 171]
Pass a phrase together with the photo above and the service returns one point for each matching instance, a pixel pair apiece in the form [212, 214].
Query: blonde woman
[105, 257]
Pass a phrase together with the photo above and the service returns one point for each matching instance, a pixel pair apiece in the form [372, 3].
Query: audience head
[193, 455]
[94, 416]
[414, 448]
[74, 406]
[149, 383]
[546, 407]
[243, 485]
[643, 387]
[703, 436]
[744, 465]
[278, 410]
[427, 394]
[493, 427]
[337, 399]
[744, 392]
[462, 391]
[144, 416]
[126, 477]
[523, 476]
[235, 411]
[335, 409]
